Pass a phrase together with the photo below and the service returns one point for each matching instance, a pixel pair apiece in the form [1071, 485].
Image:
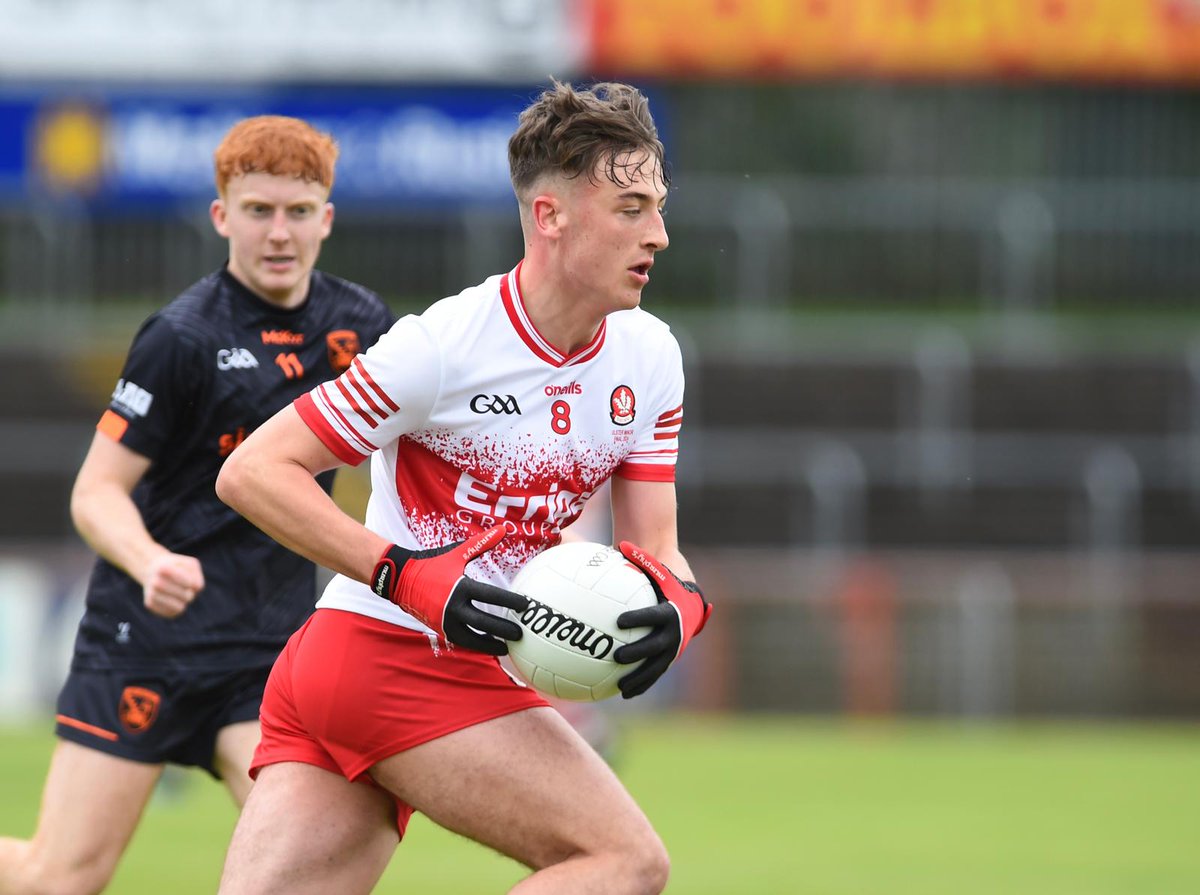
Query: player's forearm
[109, 522]
[283, 499]
[677, 563]
[662, 544]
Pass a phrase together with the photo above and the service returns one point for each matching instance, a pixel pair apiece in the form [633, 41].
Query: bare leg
[528, 786]
[524, 784]
[234, 751]
[305, 830]
[91, 804]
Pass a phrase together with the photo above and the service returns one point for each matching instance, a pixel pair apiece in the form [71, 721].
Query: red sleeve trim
[354, 405]
[383, 396]
[646, 472]
[671, 416]
[320, 427]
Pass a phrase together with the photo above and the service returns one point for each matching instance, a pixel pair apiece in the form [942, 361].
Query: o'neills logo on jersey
[535, 514]
[622, 405]
[281, 337]
[549, 623]
[574, 388]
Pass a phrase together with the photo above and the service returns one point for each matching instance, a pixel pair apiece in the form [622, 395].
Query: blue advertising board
[123, 148]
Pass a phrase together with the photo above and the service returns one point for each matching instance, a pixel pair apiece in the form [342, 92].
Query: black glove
[680, 615]
[432, 586]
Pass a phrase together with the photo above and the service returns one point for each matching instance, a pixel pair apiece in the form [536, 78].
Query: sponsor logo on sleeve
[622, 405]
[132, 398]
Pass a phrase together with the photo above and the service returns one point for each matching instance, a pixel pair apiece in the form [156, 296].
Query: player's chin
[284, 280]
[629, 299]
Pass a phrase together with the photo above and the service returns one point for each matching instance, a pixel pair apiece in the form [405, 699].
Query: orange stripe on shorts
[87, 728]
[113, 425]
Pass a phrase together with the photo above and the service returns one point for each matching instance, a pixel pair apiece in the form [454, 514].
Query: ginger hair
[275, 144]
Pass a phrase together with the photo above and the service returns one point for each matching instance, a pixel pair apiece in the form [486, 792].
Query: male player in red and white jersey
[489, 419]
[478, 421]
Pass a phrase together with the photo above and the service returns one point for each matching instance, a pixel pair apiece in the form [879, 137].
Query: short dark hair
[572, 131]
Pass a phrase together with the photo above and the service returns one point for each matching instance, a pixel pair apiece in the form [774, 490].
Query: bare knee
[40, 874]
[648, 867]
[635, 865]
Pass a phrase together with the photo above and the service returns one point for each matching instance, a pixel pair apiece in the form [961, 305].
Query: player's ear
[547, 214]
[327, 219]
[217, 213]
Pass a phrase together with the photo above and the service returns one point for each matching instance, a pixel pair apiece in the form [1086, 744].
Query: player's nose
[279, 229]
[656, 234]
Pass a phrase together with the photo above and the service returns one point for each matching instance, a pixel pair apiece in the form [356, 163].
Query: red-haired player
[189, 604]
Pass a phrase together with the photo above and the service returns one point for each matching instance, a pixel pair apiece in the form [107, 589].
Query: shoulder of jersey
[192, 313]
[339, 288]
[458, 311]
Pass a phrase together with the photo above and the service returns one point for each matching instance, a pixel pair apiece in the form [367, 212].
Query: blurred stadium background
[935, 265]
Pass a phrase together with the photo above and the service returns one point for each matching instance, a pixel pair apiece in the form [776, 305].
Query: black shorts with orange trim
[157, 716]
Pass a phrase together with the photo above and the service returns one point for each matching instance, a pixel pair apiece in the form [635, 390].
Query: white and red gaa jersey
[472, 419]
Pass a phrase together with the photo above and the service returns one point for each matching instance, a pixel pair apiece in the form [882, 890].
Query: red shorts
[348, 691]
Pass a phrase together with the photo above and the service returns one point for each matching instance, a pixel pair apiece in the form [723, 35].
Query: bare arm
[645, 514]
[270, 479]
[106, 517]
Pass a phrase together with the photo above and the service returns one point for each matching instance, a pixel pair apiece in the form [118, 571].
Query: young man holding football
[189, 604]
[489, 419]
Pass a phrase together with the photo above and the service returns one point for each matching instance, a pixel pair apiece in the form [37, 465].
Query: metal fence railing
[762, 242]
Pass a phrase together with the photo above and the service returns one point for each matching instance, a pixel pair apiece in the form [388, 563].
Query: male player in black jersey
[189, 603]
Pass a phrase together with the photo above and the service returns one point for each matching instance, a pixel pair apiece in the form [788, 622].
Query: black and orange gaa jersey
[201, 375]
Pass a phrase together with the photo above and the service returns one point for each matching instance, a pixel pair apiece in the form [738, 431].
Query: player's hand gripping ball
[681, 614]
[433, 587]
[576, 592]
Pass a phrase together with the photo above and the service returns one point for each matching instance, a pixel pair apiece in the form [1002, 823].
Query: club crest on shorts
[343, 345]
[138, 709]
[622, 407]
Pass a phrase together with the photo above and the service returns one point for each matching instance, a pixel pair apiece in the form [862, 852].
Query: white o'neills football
[576, 591]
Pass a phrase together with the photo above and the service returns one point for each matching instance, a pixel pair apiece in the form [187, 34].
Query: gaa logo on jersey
[236, 359]
[495, 404]
[622, 407]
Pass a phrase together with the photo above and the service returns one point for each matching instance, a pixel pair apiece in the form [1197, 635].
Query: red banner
[1154, 40]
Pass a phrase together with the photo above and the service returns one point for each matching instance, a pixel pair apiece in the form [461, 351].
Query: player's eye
[302, 211]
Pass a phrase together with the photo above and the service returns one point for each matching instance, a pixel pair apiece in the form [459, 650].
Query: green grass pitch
[789, 805]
